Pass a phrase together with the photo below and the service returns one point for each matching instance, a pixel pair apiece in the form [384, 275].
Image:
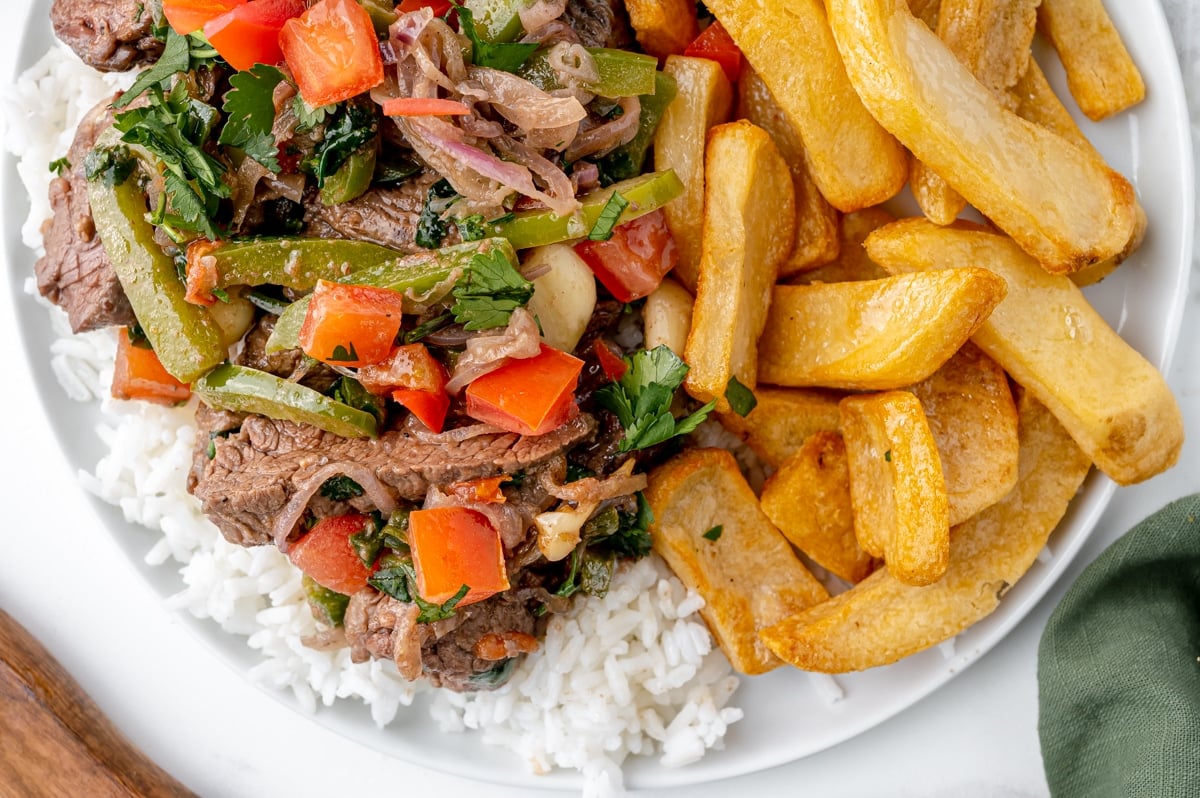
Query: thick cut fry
[974, 421]
[782, 420]
[663, 27]
[748, 227]
[896, 485]
[667, 316]
[853, 160]
[704, 99]
[881, 619]
[1116, 406]
[745, 570]
[1100, 74]
[873, 334]
[816, 220]
[852, 262]
[1060, 203]
[808, 498]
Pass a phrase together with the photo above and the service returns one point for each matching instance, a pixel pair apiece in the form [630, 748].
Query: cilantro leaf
[250, 113]
[59, 165]
[489, 291]
[431, 228]
[400, 582]
[344, 355]
[505, 56]
[642, 398]
[354, 125]
[176, 57]
[350, 392]
[741, 399]
[602, 230]
[340, 488]
[111, 165]
[715, 533]
[309, 117]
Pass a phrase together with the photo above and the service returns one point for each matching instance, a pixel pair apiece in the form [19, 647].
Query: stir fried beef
[385, 216]
[290, 364]
[75, 272]
[599, 23]
[255, 472]
[109, 35]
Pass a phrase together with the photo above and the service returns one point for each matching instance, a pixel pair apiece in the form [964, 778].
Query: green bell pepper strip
[247, 390]
[185, 337]
[626, 161]
[294, 262]
[622, 73]
[535, 228]
[414, 275]
[328, 606]
[497, 20]
[353, 177]
[381, 12]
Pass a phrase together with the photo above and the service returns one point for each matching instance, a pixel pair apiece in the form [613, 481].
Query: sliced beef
[210, 424]
[110, 35]
[256, 471]
[291, 364]
[75, 272]
[385, 216]
[599, 23]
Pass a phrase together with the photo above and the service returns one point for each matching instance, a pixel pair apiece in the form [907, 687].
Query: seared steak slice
[110, 35]
[291, 364]
[75, 272]
[255, 471]
[385, 216]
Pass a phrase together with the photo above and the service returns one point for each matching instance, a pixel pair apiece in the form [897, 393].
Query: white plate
[1143, 300]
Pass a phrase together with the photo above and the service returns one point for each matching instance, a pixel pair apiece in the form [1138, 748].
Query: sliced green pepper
[294, 262]
[328, 606]
[353, 177]
[626, 161]
[185, 337]
[622, 73]
[415, 274]
[536, 228]
[497, 20]
[381, 12]
[247, 390]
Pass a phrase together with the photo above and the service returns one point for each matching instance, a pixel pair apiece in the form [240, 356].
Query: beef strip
[255, 471]
[109, 35]
[385, 216]
[75, 273]
[291, 364]
[599, 23]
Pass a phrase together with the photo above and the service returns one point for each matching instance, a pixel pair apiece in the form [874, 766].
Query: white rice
[635, 672]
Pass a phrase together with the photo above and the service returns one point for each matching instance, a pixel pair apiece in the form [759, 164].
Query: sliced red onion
[541, 14]
[406, 639]
[572, 64]
[590, 490]
[414, 427]
[387, 53]
[486, 353]
[373, 489]
[610, 135]
[560, 194]
[524, 104]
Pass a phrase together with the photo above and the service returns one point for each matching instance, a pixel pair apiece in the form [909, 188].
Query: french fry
[971, 413]
[881, 619]
[667, 317]
[1100, 74]
[852, 262]
[704, 99]
[873, 334]
[1059, 202]
[744, 569]
[1114, 403]
[926, 11]
[897, 489]
[749, 221]
[816, 220]
[783, 420]
[663, 27]
[808, 498]
[854, 161]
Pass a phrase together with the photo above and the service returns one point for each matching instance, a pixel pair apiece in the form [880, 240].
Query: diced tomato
[634, 261]
[716, 44]
[138, 374]
[495, 646]
[326, 555]
[422, 106]
[201, 272]
[485, 490]
[428, 406]
[189, 16]
[333, 52]
[249, 34]
[350, 325]
[452, 547]
[612, 364]
[529, 396]
[440, 7]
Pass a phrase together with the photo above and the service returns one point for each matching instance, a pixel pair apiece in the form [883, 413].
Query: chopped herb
[327, 606]
[375, 536]
[400, 582]
[714, 534]
[427, 328]
[265, 301]
[211, 451]
[110, 165]
[221, 294]
[642, 398]
[602, 230]
[888, 455]
[59, 166]
[392, 581]
[490, 680]
[595, 573]
[350, 392]
[606, 536]
[176, 57]
[576, 472]
[489, 291]
[138, 11]
[137, 336]
[250, 112]
[308, 117]
[431, 228]
[392, 169]
[353, 126]
[340, 488]
[740, 398]
[471, 228]
[632, 538]
[343, 355]
[505, 56]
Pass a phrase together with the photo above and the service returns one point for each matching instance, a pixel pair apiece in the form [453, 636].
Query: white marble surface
[222, 737]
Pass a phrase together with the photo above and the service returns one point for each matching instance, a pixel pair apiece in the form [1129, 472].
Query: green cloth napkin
[1119, 667]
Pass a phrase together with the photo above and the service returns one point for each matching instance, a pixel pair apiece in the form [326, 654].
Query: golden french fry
[748, 226]
[1100, 74]
[704, 99]
[1059, 202]
[782, 420]
[744, 569]
[881, 619]
[816, 220]
[872, 334]
[1115, 404]
[808, 498]
[897, 490]
[925, 10]
[971, 413]
[852, 262]
[854, 161]
[667, 316]
[663, 27]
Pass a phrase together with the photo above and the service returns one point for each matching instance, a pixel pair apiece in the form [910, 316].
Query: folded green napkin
[1119, 667]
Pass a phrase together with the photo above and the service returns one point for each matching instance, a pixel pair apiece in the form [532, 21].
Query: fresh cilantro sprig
[250, 112]
[400, 582]
[489, 291]
[354, 125]
[605, 537]
[505, 56]
[180, 54]
[642, 398]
